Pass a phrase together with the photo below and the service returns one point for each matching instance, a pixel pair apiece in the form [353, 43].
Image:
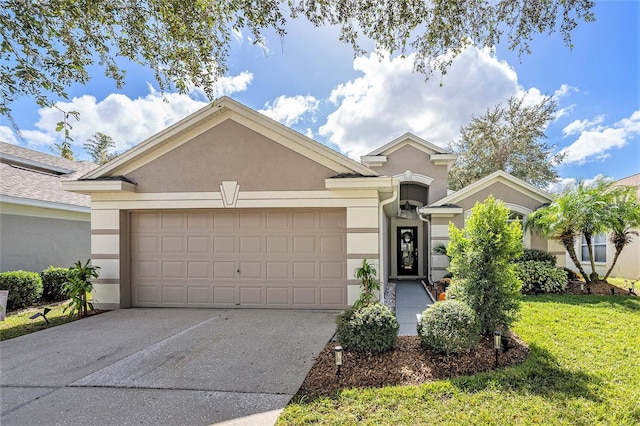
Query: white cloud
[128, 121]
[7, 135]
[390, 99]
[562, 184]
[579, 126]
[595, 141]
[289, 110]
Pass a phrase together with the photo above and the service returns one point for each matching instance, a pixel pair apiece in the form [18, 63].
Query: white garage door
[239, 258]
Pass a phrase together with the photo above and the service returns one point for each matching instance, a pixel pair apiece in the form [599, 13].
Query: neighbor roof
[32, 177]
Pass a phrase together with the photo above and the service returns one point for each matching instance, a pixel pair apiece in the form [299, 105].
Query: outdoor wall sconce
[497, 341]
[338, 353]
[42, 314]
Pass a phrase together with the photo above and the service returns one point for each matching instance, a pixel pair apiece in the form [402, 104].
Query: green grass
[582, 370]
[19, 324]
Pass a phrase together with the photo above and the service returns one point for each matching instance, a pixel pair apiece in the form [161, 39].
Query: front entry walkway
[411, 300]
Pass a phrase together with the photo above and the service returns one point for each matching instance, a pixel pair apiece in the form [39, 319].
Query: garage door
[239, 258]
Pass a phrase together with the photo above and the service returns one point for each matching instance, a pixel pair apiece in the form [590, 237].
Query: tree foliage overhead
[100, 148]
[510, 138]
[48, 45]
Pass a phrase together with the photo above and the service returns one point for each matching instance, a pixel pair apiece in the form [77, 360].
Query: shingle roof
[24, 180]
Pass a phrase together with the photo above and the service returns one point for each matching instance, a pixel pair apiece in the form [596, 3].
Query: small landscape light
[632, 289]
[582, 287]
[497, 341]
[42, 314]
[338, 353]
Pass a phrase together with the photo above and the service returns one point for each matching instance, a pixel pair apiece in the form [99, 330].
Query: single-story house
[628, 264]
[228, 208]
[40, 223]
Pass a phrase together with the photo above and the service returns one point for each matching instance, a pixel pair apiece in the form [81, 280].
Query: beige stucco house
[228, 208]
[40, 223]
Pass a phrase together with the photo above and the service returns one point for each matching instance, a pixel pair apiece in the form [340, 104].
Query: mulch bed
[407, 364]
[600, 287]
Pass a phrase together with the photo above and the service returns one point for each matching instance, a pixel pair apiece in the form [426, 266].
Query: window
[599, 245]
[513, 216]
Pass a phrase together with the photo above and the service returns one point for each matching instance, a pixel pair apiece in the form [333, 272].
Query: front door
[407, 250]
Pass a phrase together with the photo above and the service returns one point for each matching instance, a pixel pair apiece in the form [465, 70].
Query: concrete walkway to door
[160, 366]
[411, 300]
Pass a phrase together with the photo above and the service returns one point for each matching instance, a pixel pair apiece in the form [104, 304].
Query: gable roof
[409, 139]
[498, 176]
[213, 114]
[34, 178]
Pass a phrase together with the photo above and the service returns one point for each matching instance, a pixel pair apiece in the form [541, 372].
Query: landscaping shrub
[25, 288]
[482, 257]
[540, 277]
[450, 327]
[538, 256]
[53, 280]
[371, 328]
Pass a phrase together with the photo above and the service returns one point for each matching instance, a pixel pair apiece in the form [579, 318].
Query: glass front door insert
[408, 250]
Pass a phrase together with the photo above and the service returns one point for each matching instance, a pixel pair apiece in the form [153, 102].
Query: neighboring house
[628, 264]
[40, 223]
[228, 208]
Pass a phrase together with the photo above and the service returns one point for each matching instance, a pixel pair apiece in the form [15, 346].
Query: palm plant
[560, 221]
[624, 221]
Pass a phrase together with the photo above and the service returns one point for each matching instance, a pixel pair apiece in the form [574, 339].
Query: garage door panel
[251, 296]
[199, 245]
[173, 244]
[198, 295]
[277, 296]
[233, 258]
[304, 244]
[250, 244]
[332, 244]
[199, 270]
[173, 295]
[148, 294]
[224, 244]
[277, 245]
[224, 270]
[224, 295]
[332, 270]
[304, 270]
[304, 296]
[146, 244]
[171, 269]
[332, 296]
[146, 269]
[250, 270]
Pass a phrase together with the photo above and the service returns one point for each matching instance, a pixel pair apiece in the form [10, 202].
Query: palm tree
[560, 221]
[594, 202]
[624, 221]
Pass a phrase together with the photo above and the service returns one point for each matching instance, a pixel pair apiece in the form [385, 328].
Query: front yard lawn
[582, 369]
[18, 323]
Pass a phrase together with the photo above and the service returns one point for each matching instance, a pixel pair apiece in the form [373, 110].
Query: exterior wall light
[338, 353]
[497, 342]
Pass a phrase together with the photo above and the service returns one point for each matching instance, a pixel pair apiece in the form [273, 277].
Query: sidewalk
[411, 300]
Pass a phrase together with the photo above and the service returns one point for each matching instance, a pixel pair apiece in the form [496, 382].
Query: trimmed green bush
[53, 280]
[25, 288]
[540, 277]
[539, 256]
[450, 327]
[372, 328]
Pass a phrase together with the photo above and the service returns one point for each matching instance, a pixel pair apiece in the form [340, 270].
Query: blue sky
[311, 82]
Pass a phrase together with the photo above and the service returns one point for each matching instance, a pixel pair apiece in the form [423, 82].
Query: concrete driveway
[161, 367]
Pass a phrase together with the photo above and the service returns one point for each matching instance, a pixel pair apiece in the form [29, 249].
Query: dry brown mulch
[600, 287]
[407, 364]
